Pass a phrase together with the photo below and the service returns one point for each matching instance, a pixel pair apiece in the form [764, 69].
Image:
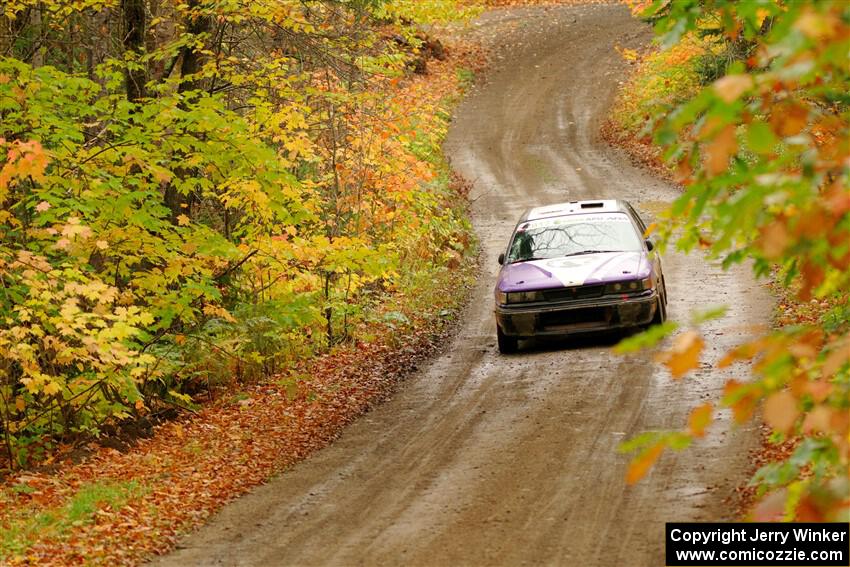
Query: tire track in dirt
[481, 459]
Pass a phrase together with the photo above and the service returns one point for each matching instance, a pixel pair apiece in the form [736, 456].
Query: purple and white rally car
[577, 267]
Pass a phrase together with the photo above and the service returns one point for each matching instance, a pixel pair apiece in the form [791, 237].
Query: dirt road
[482, 459]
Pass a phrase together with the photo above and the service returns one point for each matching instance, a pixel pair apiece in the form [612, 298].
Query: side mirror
[649, 245]
[502, 259]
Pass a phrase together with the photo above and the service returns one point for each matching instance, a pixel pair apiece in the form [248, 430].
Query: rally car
[578, 267]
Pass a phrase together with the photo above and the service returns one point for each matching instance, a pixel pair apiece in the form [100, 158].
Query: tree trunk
[190, 64]
[134, 41]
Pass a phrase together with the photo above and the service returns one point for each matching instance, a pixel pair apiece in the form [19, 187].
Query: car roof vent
[592, 205]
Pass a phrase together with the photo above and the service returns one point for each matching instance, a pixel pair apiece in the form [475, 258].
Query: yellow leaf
[641, 464]
[20, 404]
[629, 54]
[102, 244]
[780, 411]
[816, 26]
[51, 388]
[699, 419]
[183, 220]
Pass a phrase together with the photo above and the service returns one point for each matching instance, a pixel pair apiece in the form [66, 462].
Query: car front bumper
[567, 318]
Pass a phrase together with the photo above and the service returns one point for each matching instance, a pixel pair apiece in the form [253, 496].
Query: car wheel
[507, 345]
[660, 312]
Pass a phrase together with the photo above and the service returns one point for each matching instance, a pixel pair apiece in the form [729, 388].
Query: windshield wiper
[590, 252]
[533, 258]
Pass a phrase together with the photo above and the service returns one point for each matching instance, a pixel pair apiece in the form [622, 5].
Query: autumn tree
[763, 152]
[199, 191]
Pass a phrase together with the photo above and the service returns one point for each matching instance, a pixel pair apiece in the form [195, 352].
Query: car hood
[573, 270]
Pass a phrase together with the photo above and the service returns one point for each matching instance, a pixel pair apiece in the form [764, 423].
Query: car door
[653, 254]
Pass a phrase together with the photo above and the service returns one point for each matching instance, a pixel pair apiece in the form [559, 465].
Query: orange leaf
[720, 150]
[684, 355]
[746, 351]
[819, 390]
[742, 407]
[730, 87]
[684, 171]
[771, 508]
[774, 239]
[839, 355]
[780, 411]
[699, 419]
[813, 277]
[817, 421]
[789, 119]
[641, 464]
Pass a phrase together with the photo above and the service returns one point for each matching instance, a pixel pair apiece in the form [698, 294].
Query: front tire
[507, 345]
[660, 311]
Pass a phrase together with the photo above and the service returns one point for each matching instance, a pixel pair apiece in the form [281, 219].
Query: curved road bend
[481, 459]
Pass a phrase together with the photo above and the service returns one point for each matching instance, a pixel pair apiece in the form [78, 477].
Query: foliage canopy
[763, 151]
[200, 191]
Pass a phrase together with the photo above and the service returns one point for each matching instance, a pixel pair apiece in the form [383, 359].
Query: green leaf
[760, 138]
[646, 339]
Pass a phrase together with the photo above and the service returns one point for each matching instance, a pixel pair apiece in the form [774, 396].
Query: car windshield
[572, 235]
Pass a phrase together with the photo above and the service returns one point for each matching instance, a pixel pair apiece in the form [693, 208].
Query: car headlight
[630, 286]
[514, 297]
[524, 297]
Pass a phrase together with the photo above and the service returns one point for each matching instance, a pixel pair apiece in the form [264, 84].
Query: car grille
[574, 317]
[578, 292]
